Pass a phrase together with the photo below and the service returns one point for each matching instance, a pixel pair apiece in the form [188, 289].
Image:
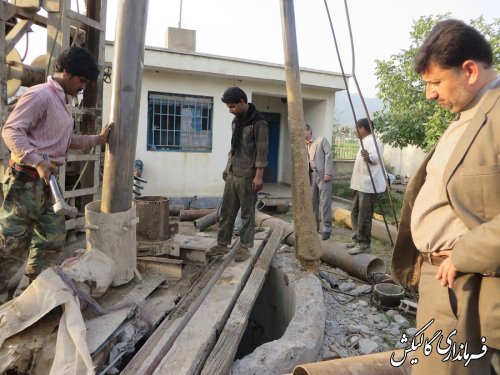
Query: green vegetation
[345, 144]
[341, 188]
[345, 149]
[407, 117]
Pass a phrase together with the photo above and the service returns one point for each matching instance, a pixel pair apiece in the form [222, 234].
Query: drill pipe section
[190, 215]
[343, 216]
[207, 221]
[126, 84]
[275, 206]
[360, 265]
[175, 209]
[374, 364]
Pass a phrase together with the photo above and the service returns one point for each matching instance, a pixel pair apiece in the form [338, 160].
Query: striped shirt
[41, 124]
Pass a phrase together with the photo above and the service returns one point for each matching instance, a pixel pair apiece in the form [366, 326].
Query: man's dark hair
[308, 127]
[78, 61]
[450, 43]
[363, 123]
[233, 95]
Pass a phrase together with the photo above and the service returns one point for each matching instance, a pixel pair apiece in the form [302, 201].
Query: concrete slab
[303, 338]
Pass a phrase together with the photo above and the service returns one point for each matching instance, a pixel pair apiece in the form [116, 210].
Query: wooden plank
[151, 353]
[85, 111]
[83, 20]
[80, 192]
[100, 329]
[160, 247]
[194, 242]
[58, 34]
[11, 10]
[78, 222]
[194, 343]
[15, 35]
[193, 249]
[83, 157]
[34, 5]
[222, 355]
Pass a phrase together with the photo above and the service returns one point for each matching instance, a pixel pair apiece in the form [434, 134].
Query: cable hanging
[366, 112]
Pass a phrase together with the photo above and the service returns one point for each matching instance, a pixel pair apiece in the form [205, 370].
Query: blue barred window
[179, 122]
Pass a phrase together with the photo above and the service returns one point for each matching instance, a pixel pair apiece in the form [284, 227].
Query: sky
[251, 29]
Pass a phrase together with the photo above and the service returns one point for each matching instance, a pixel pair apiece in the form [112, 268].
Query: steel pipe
[278, 206]
[190, 215]
[341, 215]
[360, 265]
[207, 221]
[128, 63]
[175, 209]
[373, 364]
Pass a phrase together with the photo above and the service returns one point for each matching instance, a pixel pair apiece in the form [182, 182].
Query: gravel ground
[354, 324]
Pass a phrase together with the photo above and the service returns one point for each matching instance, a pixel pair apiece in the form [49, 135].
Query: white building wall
[404, 161]
[180, 173]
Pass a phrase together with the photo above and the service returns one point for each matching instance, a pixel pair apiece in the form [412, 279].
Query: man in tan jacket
[449, 237]
[319, 155]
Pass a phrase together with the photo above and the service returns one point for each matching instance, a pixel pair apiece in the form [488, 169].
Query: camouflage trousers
[29, 228]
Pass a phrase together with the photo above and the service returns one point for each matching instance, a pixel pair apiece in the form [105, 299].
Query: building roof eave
[163, 59]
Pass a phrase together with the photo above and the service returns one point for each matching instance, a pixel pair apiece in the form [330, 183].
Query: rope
[87, 298]
[366, 112]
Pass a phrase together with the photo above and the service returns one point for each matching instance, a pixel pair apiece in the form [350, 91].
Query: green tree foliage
[407, 117]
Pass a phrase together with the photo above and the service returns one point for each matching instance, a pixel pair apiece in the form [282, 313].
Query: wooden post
[57, 31]
[308, 247]
[4, 108]
[128, 62]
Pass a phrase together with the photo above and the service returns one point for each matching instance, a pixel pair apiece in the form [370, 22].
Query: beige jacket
[472, 180]
[322, 152]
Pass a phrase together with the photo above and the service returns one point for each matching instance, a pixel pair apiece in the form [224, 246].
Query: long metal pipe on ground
[360, 265]
[333, 252]
[128, 63]
[175, 209]
[190, 215]
[373, 364]
[207, 221]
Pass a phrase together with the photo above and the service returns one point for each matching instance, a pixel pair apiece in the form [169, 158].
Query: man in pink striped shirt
[41, 125]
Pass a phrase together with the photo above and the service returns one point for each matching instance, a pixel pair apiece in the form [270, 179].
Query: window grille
[179, 122]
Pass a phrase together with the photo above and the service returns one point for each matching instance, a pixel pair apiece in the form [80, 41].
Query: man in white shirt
[365, 187]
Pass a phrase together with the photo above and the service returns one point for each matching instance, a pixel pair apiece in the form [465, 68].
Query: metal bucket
[387, 295]
[153, 218]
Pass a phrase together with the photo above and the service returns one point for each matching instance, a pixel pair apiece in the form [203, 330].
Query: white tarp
[47, 291]
[44, 293]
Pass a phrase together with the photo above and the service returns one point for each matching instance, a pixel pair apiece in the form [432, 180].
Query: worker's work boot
[351, 245]
[242, 254]
[217, 250]
[360, 248]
